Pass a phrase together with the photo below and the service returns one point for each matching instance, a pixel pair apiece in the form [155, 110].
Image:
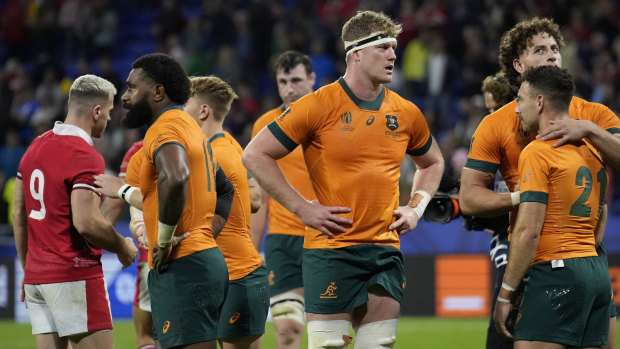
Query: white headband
[370, 40]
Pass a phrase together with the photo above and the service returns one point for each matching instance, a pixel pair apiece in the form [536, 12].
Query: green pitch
[413, 332]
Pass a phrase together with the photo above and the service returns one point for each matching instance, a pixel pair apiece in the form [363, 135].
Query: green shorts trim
[338, 280]
[246, 306]
[567, 305]
[283, 260]
[187, 297]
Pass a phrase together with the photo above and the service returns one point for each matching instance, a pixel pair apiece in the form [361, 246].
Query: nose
[391, 54]
[125, 96]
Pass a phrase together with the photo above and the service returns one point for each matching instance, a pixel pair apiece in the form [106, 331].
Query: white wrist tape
[508, 287]
[502, 300]
[426, 198]
[164, 233]
[125, 191]
[515, 198]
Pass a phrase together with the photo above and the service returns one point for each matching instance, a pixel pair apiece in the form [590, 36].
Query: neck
[159, 107]
[79, 121]
[362, 86]
[211, 128]
[546, 118]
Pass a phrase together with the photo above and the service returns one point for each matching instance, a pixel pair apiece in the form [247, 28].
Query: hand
[500, 317]
[140, 235]
[406, 220]
[567, 130]
[325, 218]
[128, 253]
[22, 296]
[108, 185]
[161, 254]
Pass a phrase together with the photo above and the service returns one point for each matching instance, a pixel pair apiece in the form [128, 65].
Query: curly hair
[164, 70]
[516, 41]
[290, 59]
[554, 83]
[365, 23]
[501, 90]
[217, 93]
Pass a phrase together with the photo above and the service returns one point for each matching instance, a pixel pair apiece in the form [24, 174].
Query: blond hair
[90, 88]
[217, 93]
[365, 23]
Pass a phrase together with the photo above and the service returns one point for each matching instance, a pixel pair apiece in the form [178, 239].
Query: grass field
[413, 333]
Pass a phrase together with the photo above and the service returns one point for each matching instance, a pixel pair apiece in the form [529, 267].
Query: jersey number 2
[579, 208]
[37, 193]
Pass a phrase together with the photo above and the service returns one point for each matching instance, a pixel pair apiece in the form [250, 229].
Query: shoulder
[582, 109]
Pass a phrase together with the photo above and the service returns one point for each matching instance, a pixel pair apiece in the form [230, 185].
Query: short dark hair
[515, 41]
[290, 59]
[554, 83]
[164, 70]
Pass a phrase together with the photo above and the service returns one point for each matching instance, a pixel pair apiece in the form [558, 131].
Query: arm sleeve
[421, 140]
[484, 149]
[225, 193]
[534, 173]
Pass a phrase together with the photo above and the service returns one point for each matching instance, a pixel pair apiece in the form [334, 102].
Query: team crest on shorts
[330, 292]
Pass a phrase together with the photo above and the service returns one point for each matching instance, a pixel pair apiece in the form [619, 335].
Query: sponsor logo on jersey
[166, 327]
[330, 292]
[527, 176]
[234, 318]
[370, 120]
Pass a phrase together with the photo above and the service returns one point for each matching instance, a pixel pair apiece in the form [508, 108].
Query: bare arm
[109, 185]
[172, 177]
[91, 224]
[430, 168]
[523, 246]
[599, 230]
[476, 199]
[260, 158]
[112, 209]
[255, 195]
[258, 222]
[20, 225]
[572, 130]
[218, 225]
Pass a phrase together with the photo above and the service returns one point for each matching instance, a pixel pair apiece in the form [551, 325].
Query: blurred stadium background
[445, 51]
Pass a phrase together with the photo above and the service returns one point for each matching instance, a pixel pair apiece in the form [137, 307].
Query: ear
[540, 103]
[159, 92]
[205, 112]
[96, 112]
[516, 63]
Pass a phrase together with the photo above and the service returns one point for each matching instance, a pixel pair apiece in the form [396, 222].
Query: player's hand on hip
[500, 317]
[567, 130]
[128, 253]
[161, 254]
[108, 185]
[325, 218]
[406, 220]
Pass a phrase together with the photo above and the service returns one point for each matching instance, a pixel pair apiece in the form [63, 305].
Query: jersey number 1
[37, 193]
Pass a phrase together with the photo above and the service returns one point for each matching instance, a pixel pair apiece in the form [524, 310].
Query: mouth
[389, 68]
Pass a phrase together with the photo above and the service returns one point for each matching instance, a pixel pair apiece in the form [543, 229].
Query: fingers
[561, 141]
[338, 209]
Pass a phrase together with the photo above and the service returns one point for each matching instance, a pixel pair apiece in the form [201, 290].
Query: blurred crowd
[444, 53]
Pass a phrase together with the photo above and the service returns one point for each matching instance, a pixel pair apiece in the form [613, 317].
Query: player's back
[572, 180]
[55, 164]
[235, 241]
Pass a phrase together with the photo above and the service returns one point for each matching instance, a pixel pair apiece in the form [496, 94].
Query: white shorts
[142, 298]
[69, 308]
